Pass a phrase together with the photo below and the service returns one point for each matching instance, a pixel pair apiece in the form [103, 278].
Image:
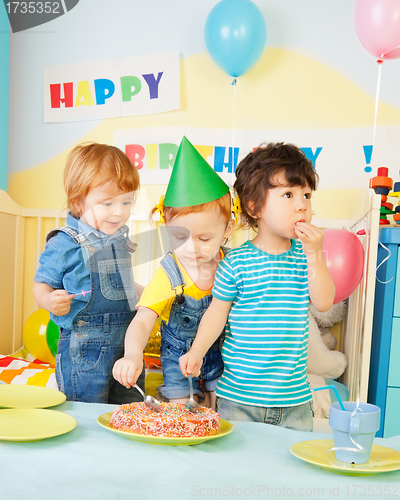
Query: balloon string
[384, 260]
[233, 131]
[378, 89]
[388, 51]
[357, 446]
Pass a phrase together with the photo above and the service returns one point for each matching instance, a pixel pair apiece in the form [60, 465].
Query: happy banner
[132, 86]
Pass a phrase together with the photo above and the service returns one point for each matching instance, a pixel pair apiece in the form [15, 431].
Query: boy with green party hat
[197, 212]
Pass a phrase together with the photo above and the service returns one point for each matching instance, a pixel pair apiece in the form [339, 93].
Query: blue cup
[350, 427]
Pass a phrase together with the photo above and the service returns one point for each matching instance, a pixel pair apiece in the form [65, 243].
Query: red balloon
[344, 255]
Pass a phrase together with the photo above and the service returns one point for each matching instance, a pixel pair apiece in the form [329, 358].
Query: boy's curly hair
[255, 175]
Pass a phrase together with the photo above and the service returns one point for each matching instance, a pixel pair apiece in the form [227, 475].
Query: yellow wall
[284, 90]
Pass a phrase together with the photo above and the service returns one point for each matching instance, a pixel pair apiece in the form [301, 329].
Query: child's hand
[127, 370]
[60, 302]
[190, 363]
[312, 238]
[320, 284]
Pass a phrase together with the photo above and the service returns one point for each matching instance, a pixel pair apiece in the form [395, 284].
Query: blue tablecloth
[254, 461]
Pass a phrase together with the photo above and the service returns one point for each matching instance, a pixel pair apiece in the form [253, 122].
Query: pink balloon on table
[377, 24]
[344, 255]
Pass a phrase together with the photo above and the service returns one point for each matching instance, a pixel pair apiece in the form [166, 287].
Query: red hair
[92, 165]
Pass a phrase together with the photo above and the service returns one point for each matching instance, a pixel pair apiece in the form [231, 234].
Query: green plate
[318, 452]
[226, 428]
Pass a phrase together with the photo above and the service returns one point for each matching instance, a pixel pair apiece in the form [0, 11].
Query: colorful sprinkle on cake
[174, 420]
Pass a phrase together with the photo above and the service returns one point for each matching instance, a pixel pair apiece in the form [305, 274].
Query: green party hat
[193, 181]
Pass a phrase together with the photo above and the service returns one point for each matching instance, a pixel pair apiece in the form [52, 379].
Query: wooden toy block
[383, 172]
[381, 182]
[389, 206]
[381, 190]
[385, 211]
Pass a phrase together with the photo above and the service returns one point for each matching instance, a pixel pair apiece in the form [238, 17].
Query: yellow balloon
[34, 334]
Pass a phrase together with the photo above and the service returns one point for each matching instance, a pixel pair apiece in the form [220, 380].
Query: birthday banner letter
[142, 85]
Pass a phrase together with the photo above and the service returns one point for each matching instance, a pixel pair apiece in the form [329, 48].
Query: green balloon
[52, 336]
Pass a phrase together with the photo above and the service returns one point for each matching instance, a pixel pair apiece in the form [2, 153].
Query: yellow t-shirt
[159, 296]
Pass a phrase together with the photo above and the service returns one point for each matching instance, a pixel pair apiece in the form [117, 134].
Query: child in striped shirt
[262, 291]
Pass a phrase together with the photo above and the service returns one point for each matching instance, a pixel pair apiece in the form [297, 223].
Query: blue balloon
[235, 35]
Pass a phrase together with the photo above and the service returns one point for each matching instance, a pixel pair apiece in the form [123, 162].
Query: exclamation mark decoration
[368, 156]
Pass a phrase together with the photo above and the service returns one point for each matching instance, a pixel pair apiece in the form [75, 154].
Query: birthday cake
[174, 420]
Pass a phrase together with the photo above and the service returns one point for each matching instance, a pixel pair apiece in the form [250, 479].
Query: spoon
[191, 405]
[149, 401]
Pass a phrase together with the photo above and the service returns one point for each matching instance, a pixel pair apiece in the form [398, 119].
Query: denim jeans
[175, 385]
[87, 352]
[84, 362]
[177, 337]
[299, 418]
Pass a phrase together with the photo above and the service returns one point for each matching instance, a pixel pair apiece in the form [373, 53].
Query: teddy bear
[323, 362]
[322, 359]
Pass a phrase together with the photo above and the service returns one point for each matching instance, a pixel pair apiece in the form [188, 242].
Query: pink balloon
[344, 255]
[377, 24]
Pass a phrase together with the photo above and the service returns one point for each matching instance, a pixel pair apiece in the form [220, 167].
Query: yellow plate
[226, 428]
[29, 396]
[33, 424]
[316, 452]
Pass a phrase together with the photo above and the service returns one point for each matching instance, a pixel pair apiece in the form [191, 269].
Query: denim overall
[86, 354]
[178, 335]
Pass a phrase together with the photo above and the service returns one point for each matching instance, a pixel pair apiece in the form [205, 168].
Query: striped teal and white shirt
[265, 348]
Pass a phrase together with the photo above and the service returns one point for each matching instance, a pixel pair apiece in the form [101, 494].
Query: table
[252, 462]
